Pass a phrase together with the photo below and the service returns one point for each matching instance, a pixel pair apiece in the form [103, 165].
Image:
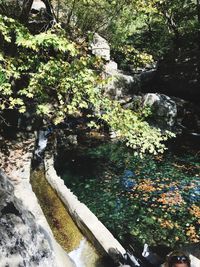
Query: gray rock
[100, 47]
[23, 242]
[38, 5]
[120, 85]
[111, 66]
[133, 103]
[164, 109]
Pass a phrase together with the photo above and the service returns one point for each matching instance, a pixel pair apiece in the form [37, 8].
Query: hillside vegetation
[47, 73]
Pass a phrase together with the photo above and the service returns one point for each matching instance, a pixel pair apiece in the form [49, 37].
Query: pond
[154, 200]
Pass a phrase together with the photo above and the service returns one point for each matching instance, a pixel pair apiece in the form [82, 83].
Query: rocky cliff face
[26, 239]
[22, 241]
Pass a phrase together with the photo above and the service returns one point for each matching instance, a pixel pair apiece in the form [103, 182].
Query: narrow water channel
[155, 200]
[63, 227]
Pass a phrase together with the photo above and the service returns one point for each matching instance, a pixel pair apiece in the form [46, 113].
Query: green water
[154, 200]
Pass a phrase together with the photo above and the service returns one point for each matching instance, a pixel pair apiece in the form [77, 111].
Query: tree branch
[49, 10]
[26, 8]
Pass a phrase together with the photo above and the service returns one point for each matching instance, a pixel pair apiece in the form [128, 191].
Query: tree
[25, 10]
[20, 9]
[49, 77]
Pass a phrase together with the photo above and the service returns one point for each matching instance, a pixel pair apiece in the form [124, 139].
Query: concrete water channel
[63, 227]
[75, 227]
[87, 241]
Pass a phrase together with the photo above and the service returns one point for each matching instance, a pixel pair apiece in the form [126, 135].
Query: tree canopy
[46, 70]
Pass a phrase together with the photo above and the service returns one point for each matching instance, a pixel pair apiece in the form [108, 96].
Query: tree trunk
[71, 12]
[198, 40]
[49, 10]
[58, 10]
[172, 26]
[26, 8]
[198, 17]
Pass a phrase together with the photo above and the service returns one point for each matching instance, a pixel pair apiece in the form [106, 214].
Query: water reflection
[155, 199]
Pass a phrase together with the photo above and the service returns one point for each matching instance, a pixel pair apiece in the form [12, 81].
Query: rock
[38, 5]
[164, 109]
[100, 47]
[25, 236]
[14, 8]
[134, 103]
[180, 114]
[23, 242]
[111, 66]
[120, 84]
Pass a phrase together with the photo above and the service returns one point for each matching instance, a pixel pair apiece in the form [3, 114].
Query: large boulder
[164, 109]
[121, 85]
[15, 8]
[37, 6]
[172, 112]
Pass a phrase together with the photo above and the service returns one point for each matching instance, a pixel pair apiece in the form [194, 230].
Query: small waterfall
[42, 142]
[85, 255]
[76, 254]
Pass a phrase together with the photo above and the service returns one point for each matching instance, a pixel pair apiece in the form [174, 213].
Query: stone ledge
[88, 223]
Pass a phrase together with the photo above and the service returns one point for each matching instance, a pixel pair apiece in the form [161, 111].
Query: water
[42, 142]
[76, 254]
[84, 255]
[154, 200]
[63, 227]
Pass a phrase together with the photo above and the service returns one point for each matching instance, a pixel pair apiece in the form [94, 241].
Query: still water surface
[155, 200]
